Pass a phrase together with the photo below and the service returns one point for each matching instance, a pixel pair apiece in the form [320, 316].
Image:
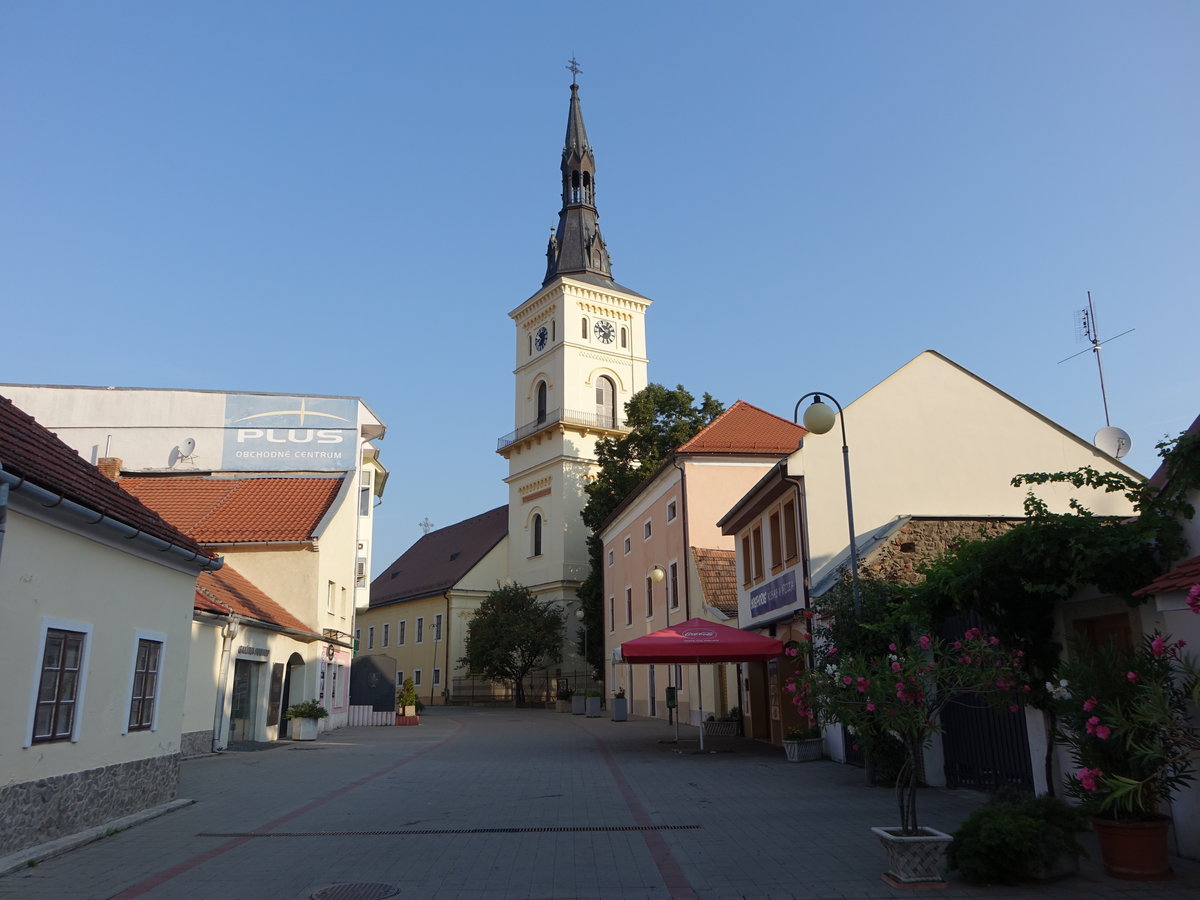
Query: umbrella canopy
[700, 641]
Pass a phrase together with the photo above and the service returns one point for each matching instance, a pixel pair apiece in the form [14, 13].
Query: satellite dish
[189, 446]
[1113, 441]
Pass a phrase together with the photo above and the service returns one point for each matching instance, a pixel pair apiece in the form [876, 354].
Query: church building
[580, 354]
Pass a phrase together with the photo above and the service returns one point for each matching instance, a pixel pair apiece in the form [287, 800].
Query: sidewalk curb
[57, 847]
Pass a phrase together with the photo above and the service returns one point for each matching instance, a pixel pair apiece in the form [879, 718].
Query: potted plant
[1018, 837]
[592, 704]
[562, 702]
[723, 726]
[802, 743]
[304, 718]
[1123, 715]
[897, 682]
[408, 710]
[620, 705]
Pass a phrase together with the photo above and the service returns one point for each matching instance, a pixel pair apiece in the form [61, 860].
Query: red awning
[700, 641]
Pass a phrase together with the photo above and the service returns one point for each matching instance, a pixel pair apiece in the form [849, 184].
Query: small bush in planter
[309, 709]
[1015, 838]
[802, 733]
[406, 696]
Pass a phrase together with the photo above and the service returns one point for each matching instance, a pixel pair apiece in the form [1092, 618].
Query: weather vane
[573, 68]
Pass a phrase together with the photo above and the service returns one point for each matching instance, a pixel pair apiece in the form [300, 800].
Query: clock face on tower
[605, 332]
[539, 339]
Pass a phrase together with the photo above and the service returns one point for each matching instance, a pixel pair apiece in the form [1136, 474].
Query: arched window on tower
[606, 402]
[624, 338]
[541, 402]
[587, 187]
[585, 328]
[536, 534]
[575, 186]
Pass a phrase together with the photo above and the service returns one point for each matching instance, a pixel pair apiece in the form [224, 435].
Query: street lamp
[819, 419]
[586, 665]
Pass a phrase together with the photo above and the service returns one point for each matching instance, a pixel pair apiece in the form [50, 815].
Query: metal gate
[985, 748]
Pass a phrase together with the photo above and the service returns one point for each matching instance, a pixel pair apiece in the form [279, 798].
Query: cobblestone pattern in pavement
[528, 804]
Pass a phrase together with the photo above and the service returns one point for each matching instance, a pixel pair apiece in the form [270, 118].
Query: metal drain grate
[410, 831]
[355, 892]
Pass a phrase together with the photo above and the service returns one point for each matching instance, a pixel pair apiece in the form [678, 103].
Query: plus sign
[573, 68]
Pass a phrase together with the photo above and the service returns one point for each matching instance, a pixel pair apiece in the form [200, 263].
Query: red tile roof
[440, 559]
[31, 452]
[746, 429]
[228, 591]
[718, 577]
[239, 510]
[1180, 578]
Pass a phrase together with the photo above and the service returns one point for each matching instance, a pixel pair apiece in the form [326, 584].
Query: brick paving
[496, 803]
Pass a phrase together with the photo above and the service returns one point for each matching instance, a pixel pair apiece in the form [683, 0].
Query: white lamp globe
[657, 574]
[819, 417]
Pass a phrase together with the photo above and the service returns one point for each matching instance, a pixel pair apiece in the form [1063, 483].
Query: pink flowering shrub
[900, 691]
[1123, 715]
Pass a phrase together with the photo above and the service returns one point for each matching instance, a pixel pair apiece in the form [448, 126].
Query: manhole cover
[356, 892]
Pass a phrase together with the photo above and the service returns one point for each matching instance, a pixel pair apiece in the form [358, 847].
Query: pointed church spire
[577, 248]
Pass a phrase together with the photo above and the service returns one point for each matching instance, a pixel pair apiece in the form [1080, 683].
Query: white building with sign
[282, 485]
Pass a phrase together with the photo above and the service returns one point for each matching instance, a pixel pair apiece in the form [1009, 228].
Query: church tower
[580, 351]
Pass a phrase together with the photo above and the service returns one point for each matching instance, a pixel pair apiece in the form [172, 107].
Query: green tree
[661, 420]
[510, 634]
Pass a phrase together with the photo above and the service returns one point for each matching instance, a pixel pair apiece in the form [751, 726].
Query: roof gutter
[50, 500]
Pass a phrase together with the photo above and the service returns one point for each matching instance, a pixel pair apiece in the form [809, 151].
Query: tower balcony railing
[566, 417]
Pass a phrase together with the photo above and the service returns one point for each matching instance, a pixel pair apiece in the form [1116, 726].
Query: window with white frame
[364, 493]
[371, 637]
[674, 586]
[437, 627]
[791, 543]
[416, 676]
[612, 613]
[628, 606]
[386, 632]
[626, 545]
[536, 536]
[330, 596]
[437, 677]
[420, 629]
[756, 540]
[143, 693]
[58, 690]
[610, 556]
[649, 597]
[646, 530]
[672, 510]
[401, 628]
[399, 678]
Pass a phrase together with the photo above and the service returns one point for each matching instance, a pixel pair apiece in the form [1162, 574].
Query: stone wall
[921, 541]
[196, 743]
[37, 811]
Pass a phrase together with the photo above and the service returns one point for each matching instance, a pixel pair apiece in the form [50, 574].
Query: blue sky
[349, 199]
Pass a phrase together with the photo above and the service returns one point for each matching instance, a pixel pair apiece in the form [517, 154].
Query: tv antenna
[1113, 441]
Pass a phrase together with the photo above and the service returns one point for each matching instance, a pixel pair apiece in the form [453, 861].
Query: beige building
[669, 524]
[933, 449]
[420, 606]
[96, 596]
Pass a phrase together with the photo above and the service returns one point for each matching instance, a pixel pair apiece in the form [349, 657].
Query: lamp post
[587, 667]
[656, 574]
[818, 419]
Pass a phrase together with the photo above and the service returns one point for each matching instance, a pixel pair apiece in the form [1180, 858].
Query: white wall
[49, 573]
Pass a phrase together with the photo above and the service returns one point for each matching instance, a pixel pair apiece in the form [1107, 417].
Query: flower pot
[1134, 851]
[803, 751]
[593, 707]
[577, 706]
[917, 860]
[408, 720]
[620, 709]
[304, 729]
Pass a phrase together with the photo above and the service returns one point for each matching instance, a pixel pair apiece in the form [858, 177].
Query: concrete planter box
[577, 705]
[593, 707]
[304, 729]
[408, 720]
[803, 751]
[620, 709]
[914, 860]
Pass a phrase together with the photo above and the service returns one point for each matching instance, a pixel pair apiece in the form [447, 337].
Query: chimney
[110, 467]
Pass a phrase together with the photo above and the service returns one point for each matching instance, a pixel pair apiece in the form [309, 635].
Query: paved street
[481, 803]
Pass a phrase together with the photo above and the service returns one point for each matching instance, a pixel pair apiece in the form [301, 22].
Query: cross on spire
[573, 67]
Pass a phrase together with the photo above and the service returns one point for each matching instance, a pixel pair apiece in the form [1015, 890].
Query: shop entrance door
[244, 704]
